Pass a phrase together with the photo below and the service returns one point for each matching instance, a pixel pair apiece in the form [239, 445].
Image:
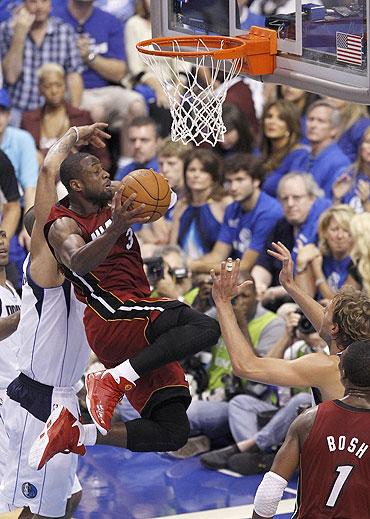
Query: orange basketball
[151, 189]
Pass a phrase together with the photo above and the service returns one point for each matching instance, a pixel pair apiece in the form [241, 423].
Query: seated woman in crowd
[353, 187]
[280, 147]
[49, 122]
[359, 271]
[323, 270]
[197, 218]
[354, 121]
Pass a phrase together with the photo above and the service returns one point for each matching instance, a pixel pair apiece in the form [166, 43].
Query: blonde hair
[170, 148]
[351, 113]
[50, 68]
[360, 230]
[342, 214]
[352, 315]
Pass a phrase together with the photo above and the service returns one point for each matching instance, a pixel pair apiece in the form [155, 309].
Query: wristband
[77, 133]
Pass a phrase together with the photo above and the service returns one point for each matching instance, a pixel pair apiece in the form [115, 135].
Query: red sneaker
[103, 393]
[60, 434]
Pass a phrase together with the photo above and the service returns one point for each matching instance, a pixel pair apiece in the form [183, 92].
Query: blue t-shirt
[198, 231]
[249, 230]
[151, 164]
[294, 161]
[106, 38]
[326, 167]
[350, 140]
[336, 271]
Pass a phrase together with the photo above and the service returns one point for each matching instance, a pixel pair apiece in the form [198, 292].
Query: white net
[195, 93]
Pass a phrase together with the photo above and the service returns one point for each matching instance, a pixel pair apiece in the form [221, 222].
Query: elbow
[238, 370]
[76, 265]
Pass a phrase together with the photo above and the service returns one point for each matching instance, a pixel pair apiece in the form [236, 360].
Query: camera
[178, 273]
[154, 269]
[304, 325]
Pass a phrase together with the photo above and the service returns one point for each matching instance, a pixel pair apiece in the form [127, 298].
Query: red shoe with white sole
[103, 393]
[60, 434]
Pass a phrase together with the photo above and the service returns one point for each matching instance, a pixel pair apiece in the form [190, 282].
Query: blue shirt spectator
[106, 38]
[59, 45]
[302, 204]
[294, 161]
[248, 229]
[247, 221]
[198, 230]
[326, 166]
[326, 160]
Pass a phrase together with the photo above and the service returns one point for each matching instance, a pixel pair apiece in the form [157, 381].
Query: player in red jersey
[330, 442]
[140, 339]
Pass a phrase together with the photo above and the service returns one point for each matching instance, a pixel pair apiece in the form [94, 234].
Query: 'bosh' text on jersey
[342, 443]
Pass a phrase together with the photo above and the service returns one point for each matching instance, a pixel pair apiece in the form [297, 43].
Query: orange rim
[233, 47]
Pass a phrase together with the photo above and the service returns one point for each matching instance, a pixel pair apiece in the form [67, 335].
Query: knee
[213, 329]
[177, 436]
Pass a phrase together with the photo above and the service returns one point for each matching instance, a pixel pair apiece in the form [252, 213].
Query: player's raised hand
[123, 216]
[280, 252]
[92, 134]
[225, 285]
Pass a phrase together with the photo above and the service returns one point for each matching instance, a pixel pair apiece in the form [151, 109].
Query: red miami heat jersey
[121, 274]
[335, 465]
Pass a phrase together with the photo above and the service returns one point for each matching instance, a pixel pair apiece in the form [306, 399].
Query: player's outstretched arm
[306, 371]
[311, 308]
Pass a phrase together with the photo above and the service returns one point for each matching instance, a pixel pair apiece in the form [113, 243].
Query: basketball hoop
[196, 98]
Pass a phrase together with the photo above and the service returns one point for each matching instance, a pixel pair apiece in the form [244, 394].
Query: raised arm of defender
[315, 369]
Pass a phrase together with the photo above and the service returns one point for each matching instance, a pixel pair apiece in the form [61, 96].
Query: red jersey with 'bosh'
[335, 465]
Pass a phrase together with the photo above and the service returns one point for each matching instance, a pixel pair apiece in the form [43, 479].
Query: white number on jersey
[130, 238]
[343, 473]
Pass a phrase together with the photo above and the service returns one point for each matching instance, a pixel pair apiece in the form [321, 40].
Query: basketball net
[195, 98]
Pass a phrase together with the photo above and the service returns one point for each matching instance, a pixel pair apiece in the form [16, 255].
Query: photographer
[168, 274]
[255, 446]
[208, 411]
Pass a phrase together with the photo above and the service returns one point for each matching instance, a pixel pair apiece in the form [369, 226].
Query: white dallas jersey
[9, 304]
[53, 346]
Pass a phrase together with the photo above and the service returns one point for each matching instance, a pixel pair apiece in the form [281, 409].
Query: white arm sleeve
[268, 494]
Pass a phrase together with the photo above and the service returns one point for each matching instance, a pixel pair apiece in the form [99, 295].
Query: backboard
[322, 46]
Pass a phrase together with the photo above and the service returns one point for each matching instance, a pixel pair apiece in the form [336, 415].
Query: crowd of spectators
[293, 167]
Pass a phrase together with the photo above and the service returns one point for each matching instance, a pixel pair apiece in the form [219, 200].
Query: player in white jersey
[9, 344]
[52, 357]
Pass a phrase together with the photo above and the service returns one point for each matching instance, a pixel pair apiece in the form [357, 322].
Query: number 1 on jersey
[343, 473]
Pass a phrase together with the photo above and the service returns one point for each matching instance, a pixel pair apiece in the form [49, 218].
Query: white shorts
[4, 507]
[44, 491]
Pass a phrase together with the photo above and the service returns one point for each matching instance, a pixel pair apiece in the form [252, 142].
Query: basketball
[151, 189]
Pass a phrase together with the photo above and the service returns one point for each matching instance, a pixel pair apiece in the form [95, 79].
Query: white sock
[88, 434]
[124, 370]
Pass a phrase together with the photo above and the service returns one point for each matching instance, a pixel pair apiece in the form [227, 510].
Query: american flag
[349, 48]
